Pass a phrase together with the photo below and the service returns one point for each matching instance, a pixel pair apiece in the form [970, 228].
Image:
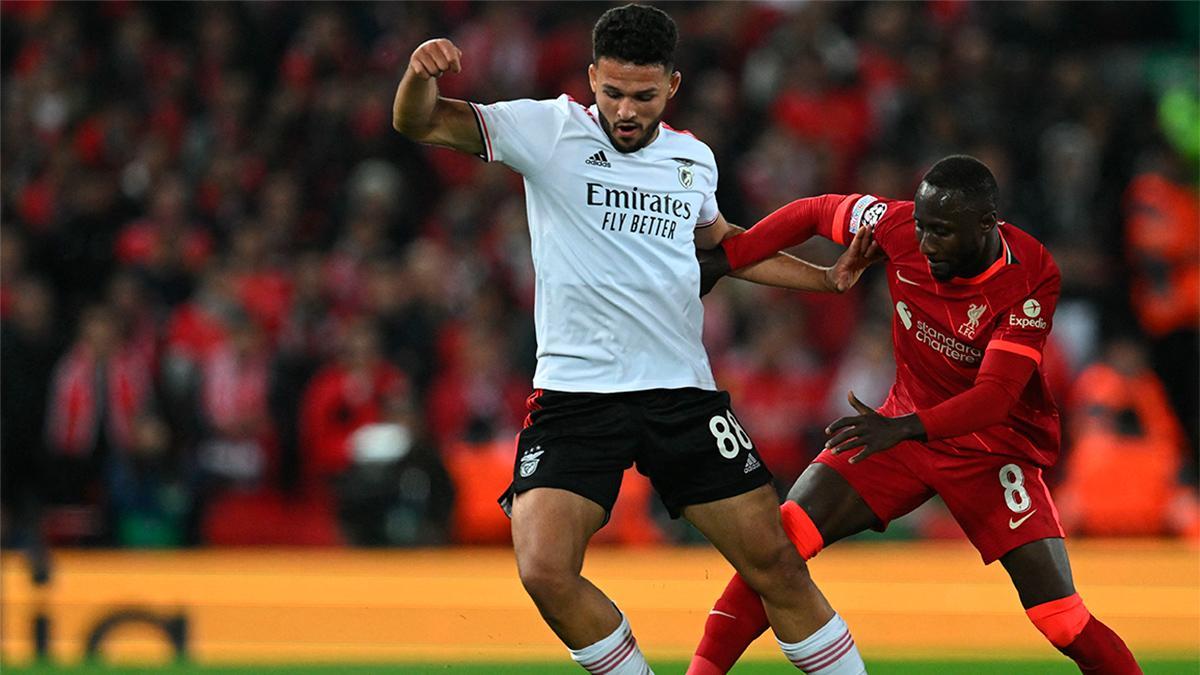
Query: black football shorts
[686, 441]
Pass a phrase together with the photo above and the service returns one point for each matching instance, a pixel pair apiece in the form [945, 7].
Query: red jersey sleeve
[835, 217]
[788, 226]
[1023, 329]
[858, 210]
[1002, 376]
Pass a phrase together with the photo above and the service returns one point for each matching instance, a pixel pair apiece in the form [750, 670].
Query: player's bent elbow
[410, 130]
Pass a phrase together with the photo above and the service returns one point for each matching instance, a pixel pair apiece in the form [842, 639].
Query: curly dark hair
[965, 174]
[638, 34]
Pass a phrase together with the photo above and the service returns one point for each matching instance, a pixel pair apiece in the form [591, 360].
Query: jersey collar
[1006, 258]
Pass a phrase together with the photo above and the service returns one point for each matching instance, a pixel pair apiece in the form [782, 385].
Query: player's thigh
[746, 530]
[833, 505]
[1040, 571]
[695, 450]
[1001, 503]
[566, 475]
[843, 498]
[551, 528]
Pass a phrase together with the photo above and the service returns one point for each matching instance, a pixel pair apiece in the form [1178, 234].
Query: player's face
[631, 100]
[952, 234]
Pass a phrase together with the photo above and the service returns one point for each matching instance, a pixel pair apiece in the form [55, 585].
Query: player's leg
[551, 529]
[1006, 511]
[1041, 573]
[569, 463]
[747, 530]
[821, 508]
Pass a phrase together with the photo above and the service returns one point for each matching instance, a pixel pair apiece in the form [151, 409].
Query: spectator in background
[100, 388]
[30, 344]
[1126, 441]
[166, 248]
[477, 397]
[1162, 208]
[152, 493]
[194, 332]
[344, 396]
[240, 443]
[407, 322]
[136, 317]
[396, 490]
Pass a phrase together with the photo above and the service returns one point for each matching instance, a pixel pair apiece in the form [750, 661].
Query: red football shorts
[1000, 502]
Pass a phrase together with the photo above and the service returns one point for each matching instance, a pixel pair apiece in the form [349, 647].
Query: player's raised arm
[421, 114]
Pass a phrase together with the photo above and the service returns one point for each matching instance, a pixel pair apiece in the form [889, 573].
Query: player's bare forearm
[421, 114]
[412, 109]
[785, 271]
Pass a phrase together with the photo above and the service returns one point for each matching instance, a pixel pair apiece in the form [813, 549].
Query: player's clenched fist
[434, 57]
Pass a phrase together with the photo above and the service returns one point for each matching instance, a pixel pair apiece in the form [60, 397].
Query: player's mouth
[627, 130]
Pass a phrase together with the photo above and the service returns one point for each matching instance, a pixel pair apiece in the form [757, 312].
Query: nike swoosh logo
[901, 278]
[1014, 524]
[717, 611]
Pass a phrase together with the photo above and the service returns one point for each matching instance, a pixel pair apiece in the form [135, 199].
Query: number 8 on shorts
[1012, 479]
[730, 435]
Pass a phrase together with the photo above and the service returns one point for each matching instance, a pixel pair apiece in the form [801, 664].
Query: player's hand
[870, 431]
[863, 252]
[714, 264]
[434, 58]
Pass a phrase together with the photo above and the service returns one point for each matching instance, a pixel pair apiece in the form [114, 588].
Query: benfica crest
[686, 175]
[529, 461]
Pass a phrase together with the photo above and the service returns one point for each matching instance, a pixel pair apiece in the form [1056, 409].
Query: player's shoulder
[562, 107]
[683, 140]
[1031, 254]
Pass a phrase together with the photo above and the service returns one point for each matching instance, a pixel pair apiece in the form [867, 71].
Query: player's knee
[1060, 620]
[545, 580]
[772, 566]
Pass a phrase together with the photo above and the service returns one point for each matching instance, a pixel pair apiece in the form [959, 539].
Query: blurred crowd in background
[238, 308]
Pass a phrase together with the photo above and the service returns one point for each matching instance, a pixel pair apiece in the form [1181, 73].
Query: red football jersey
[941, 329]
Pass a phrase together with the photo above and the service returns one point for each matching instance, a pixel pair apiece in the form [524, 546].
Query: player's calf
[1093, 646]
[738, 616]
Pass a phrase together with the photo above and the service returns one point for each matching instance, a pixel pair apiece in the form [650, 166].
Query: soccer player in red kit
[969, 417]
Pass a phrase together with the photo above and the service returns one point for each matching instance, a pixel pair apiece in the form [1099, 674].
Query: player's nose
[926, 247]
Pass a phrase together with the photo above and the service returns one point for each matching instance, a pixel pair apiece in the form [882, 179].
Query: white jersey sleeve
[521, 134]
[708, 208]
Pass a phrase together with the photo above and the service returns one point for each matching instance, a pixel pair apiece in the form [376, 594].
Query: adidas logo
[598, 159]
[752, 463]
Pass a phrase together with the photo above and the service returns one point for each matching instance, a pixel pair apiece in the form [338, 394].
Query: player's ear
[988, 222]
[592, 76]
[676, 78]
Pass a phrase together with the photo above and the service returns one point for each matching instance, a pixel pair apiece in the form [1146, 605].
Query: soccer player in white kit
[617, 205]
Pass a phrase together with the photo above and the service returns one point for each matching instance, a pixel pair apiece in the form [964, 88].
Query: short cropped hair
[637, 34]
[968, 176]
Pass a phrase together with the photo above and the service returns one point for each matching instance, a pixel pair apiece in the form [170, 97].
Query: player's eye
[645, 97]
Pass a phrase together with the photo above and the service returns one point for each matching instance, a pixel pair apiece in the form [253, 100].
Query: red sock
[1094, 647]
[1097, 649]
[738, 617]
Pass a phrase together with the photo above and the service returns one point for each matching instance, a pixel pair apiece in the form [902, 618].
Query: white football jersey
[617, 304]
